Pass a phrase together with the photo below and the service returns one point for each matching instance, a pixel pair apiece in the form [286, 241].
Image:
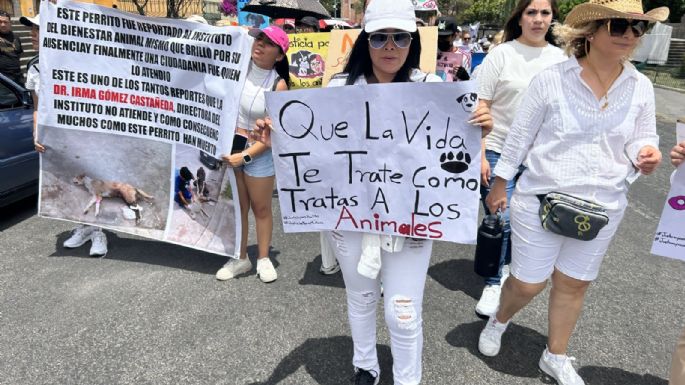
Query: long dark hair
[512, 29]
[359, 61]
[282, 68]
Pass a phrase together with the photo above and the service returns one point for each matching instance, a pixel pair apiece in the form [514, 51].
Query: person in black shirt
[10, 50]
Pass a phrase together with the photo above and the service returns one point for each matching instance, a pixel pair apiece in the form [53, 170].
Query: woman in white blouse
[502, 80]
[585, 127]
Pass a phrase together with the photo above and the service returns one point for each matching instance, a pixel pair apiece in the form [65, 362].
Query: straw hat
[613, 9]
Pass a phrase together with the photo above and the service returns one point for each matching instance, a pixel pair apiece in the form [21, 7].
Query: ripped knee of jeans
[404, 312]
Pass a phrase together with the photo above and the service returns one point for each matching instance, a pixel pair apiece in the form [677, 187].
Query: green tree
[485, 11]
[565, 6]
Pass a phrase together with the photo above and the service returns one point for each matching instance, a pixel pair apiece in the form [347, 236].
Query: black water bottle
[489, 247]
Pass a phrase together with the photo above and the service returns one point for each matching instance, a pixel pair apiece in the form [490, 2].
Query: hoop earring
[587, 49]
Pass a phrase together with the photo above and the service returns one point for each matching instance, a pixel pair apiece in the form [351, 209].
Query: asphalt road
[152, 313]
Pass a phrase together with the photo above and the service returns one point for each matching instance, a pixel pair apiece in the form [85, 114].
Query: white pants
[403, 275]
[536, 252]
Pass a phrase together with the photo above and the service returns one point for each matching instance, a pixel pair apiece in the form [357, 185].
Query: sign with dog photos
[395, 159]
[133, 112]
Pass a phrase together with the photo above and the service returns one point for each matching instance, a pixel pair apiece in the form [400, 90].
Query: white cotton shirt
[570, 145]
[504, 75]
[33, 79]
[252, 100]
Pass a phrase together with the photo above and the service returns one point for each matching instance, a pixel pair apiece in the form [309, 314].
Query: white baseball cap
[397, 14]
[30, 21]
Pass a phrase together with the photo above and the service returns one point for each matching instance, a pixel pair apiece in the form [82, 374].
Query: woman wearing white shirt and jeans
[502, 79]
[584, 128]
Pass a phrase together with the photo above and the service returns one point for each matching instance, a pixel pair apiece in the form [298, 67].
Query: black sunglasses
[618, 27]
[377, 40]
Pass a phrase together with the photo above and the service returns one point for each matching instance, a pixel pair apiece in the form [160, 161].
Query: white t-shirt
[33, 79]
[415, 76]
[503, 77]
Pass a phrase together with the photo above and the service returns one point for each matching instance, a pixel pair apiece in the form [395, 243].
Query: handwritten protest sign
[669, 240]
[125, 104]
[393, 158]
[306, 56]
[342, 41]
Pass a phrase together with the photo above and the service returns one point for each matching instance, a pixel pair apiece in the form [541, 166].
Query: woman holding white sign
[252, 160]
[584, 130]
[387, 50]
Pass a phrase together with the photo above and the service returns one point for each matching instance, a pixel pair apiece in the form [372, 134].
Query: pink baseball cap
[275, 34]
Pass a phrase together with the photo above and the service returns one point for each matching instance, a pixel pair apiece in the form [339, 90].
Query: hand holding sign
[678, 154]
[262, 131]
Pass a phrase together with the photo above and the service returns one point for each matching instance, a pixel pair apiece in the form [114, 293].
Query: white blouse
[570, 145]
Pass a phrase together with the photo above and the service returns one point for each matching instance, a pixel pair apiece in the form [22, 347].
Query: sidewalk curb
[669, 88]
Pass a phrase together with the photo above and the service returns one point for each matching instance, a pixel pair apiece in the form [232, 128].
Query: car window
[8, 98]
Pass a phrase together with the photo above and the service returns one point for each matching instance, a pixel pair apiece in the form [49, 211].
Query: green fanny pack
[571, 217]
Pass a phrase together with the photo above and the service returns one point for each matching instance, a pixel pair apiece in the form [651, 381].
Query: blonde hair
[574, 40]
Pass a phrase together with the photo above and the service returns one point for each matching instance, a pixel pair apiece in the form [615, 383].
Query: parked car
[18, 159]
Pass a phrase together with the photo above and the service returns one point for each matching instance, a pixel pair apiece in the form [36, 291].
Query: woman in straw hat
[586, 127]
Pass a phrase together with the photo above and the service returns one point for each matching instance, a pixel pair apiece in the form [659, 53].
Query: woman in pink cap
[252, 161]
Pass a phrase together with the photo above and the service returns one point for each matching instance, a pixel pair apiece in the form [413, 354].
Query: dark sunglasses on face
[618, 27]
[377, 40]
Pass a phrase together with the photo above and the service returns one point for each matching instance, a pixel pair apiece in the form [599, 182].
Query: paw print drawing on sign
[456, 164]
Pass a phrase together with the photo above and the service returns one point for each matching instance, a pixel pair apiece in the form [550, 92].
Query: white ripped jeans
[403, 275]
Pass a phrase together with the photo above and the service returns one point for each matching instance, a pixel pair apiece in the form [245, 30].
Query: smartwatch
[247, 159]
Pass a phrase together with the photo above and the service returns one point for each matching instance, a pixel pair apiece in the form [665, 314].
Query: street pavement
[153, 313]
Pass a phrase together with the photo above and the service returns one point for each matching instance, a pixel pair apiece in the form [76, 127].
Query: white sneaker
[234, 268]
[99, 246]
[560, 367]
[266, 271]
[79, 236]
[489, 300]
[330, 270]
[490, 339]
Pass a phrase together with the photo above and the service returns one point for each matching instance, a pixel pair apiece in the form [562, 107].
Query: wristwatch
[247, 159]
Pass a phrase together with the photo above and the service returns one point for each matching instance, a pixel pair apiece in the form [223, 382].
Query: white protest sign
[669, 240]
[394, 158]
[172, 80]
[132, 112]
[680, 130]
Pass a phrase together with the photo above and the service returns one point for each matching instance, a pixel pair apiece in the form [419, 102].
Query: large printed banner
[307, 57]
[342, 40]
[670, 234]
[125, 104]
[394, 158]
